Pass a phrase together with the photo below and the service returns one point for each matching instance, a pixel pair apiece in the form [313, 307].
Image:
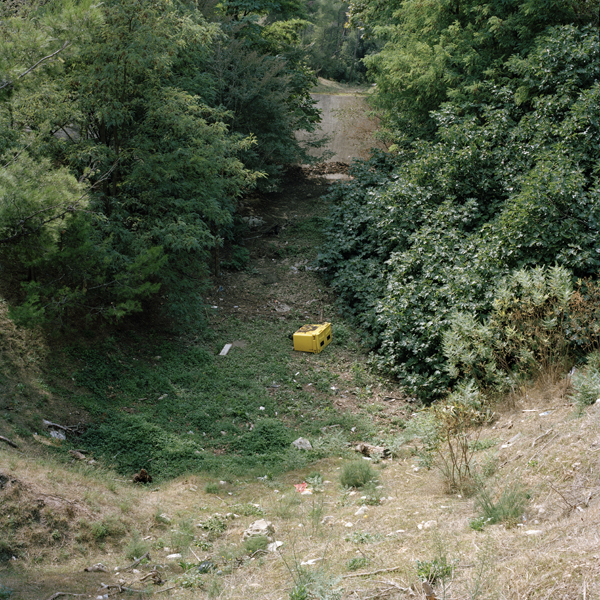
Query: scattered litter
[533, 532]
[261, 408]
[300, 487]
[312, 561]
[545, 413]
[226, 349]
[307, 493]
[348, 524]
[273, 547]
[176, 556]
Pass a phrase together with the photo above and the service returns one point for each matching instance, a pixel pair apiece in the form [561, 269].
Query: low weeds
[506, 506]
[357, 474]
[586, 382]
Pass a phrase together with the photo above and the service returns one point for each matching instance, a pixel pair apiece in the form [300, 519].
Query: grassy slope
[60, 514]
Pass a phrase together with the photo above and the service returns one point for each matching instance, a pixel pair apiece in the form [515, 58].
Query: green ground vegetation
[485, 217]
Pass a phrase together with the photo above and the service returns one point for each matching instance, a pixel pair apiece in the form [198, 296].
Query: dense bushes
[430, 232]
[129, 130]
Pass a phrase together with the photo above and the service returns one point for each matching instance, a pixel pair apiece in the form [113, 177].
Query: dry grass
[554, 457]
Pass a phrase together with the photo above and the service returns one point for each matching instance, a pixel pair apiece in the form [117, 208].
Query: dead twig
[166, 589]
[49, 424]
[570, 505]
[136, 562]
[7, 441]
[155, 575]
[59, 594]
[372, 572]
[121, 588]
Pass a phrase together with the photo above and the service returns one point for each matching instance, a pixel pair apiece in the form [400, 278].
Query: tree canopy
[130, 129]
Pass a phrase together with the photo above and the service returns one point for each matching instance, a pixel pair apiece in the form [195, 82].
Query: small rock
[361, 511]
[348, 525]
[176, 556]
[430, 525]
[302, 444]
[260, 527]
[306, 493]
[533, 532]
[165, 517]
[328, 520]
[273, 547]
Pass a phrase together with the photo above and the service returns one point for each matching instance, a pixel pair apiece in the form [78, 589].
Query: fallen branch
[58, 594]
[49, 424]
[136, 562]
[166, 589]
[7, 441]
[371, 573]
[121, 589]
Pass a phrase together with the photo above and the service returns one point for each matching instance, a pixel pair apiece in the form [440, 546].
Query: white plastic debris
[226, 349]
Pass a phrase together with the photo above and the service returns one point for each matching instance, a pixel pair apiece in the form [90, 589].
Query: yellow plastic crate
[312, 338]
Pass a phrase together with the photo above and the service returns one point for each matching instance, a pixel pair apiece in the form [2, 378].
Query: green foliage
[526, 330]
[506, 183]
[362, 537]
[360, 562]
[255, 543]
[357, 474]
[268, 435]
[315, 585]
[212, 488]
[191, 580]
[128, 144]
[5, 592]
[438, 569]
[336, 46]
[136, 547]
[436, 52]
[248, 510]
[446, 431]
[240, 257]
[586, 382]
[505, 507]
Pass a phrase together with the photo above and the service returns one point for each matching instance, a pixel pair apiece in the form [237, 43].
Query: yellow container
[312, 338]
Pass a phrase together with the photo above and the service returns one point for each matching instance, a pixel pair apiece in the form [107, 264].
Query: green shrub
[137, 547]
[315, 585]
[507, 507]
[433, 570]
[357, 474]
[268, 435]
[240, 257]
[212, 488]
[527, 329]
[357, 563]
[362, 537]
[586, 382]
[255, 543]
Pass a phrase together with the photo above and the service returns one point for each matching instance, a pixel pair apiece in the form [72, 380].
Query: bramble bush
[419, 242]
